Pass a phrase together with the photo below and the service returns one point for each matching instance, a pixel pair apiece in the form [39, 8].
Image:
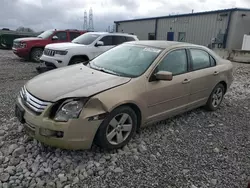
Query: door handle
[216, 72]
[186, 81]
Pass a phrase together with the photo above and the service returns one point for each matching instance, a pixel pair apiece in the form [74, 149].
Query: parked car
[82, 48]
[32, 47]
[120, 91]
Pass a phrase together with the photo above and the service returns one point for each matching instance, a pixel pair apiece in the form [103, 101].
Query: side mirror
[54, 38]
[99, 43]
[164, 75]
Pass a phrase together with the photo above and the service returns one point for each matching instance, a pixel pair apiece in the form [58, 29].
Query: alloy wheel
[217, 97]
[119, 129]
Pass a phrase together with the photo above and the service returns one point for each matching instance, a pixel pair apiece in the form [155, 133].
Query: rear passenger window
[73, 35]
[107, 40]
[200, 59]
[130, 39]
[118, 40]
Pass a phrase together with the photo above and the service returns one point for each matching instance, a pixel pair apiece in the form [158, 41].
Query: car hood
[72, 81]
[27, 39]
[63, 46]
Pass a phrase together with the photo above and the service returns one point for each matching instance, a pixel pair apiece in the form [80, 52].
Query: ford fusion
[126, 88]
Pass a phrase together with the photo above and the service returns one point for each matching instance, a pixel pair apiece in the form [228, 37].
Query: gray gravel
[196, 149]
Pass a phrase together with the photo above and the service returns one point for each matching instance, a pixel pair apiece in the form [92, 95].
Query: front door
[61, 37]
[170, 36]
[204, 76]
[108, 44]
[167, 98]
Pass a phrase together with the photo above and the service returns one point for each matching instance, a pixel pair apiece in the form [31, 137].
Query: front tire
[117, 128]
[36, 53]
[216, 97]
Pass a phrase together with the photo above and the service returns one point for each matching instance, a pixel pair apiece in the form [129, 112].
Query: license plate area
[19, 113]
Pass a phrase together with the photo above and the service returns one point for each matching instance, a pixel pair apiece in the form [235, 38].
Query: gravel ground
[198, 149]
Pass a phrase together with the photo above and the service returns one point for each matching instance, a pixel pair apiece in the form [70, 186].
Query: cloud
[62, 14]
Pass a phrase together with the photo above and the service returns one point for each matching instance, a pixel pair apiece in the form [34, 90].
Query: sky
[41, 15]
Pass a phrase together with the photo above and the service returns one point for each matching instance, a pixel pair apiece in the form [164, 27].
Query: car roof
[163, 44]
[108, 33]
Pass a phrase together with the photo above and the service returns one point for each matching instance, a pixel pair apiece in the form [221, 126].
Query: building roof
[189, 14]
[160, 43]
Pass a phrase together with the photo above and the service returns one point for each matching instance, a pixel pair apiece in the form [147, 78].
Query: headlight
[23, 45]
[70, 109]
[60, 52]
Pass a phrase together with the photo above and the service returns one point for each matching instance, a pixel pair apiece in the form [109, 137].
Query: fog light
[46, 132]
[97, 117]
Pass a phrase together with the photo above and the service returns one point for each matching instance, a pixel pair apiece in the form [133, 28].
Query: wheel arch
[79, 56]
[224, 84]
[136, 109]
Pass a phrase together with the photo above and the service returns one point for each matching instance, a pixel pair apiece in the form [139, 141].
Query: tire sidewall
[101, 138]
[210, 100]
[33, 53]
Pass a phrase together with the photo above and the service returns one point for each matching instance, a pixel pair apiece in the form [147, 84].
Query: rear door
[73, 35]
[205, 75]
[118, 40]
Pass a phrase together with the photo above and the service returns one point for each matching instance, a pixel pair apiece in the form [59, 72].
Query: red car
[31, 48]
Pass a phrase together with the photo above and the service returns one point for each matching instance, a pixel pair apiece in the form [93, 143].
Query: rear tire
[77, 60]
[117, 128]
[216, 97]
[36, 53]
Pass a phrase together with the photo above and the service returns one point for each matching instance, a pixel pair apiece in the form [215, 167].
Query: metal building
[220, 28]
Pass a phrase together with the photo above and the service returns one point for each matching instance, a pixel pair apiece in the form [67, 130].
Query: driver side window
[175, 62]
[62, 35]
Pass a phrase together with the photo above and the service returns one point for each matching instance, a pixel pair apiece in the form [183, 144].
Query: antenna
[85, 24]
[91, 22]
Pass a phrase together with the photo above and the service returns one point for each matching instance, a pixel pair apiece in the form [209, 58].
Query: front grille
[49, 52]
[33, 103]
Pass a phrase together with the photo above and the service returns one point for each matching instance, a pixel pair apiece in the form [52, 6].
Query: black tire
[36, 53]
[210, 106]
[77, 60]
[101, 139]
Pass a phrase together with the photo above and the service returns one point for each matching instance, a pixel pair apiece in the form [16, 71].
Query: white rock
[142, 148]
[4, 177]
[2, 132]
[62, 177]
[211, 125]
[214, 181]
[118, 170]
[138, 171]
[101, 172]
[216, 150]
[12, 147]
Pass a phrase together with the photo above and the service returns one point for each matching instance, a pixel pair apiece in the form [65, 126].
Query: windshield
[46, 34]
[86, 38]
[126, 60]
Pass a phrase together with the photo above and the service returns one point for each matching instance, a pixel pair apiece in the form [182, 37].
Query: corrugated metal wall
[199, 29]
[239, 26]
[139, 28]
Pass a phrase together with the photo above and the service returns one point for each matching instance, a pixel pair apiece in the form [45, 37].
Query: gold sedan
[128, 87]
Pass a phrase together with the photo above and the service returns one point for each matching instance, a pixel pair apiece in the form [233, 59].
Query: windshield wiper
[103, 70]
